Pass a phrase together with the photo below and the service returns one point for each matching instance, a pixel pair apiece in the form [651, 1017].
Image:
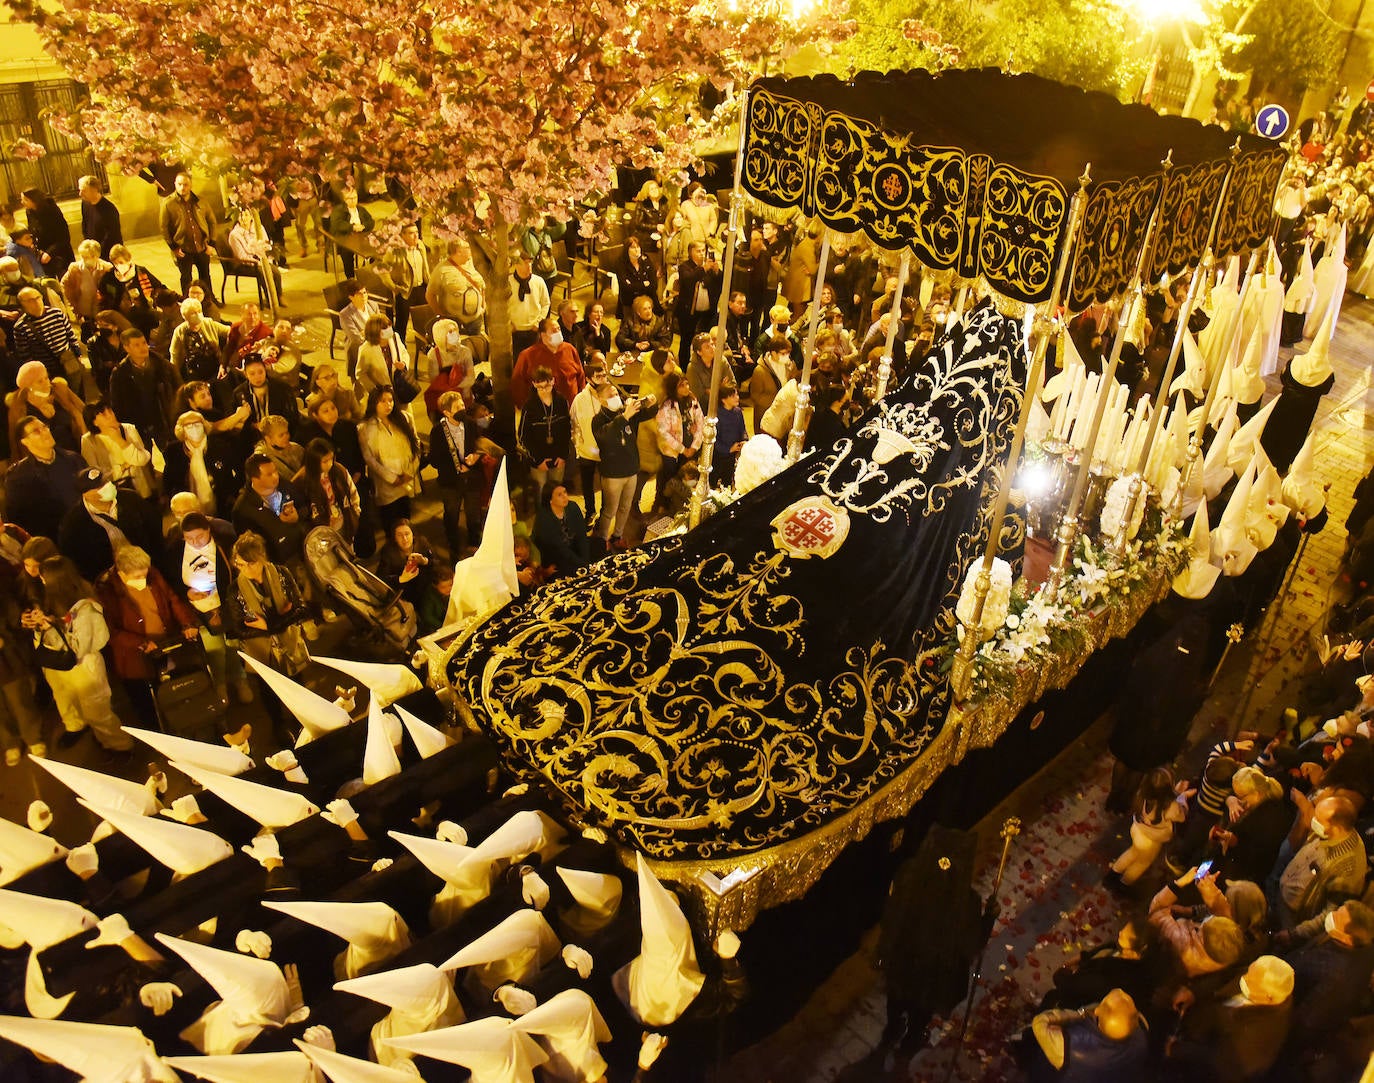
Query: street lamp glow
[1159, 12]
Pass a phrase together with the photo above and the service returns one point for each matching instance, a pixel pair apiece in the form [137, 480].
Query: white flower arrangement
[759, 460]
[995, 606]
[1114, 509]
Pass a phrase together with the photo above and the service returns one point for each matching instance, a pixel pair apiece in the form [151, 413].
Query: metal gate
[24, 112]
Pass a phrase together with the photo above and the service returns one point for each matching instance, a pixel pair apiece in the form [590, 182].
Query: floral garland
[1037, 630]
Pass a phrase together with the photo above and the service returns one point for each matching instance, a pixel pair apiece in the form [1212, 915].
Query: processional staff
[1201, 272]
[1068, 529]
[962, 675]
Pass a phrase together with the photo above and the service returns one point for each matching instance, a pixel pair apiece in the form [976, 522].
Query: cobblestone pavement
[1053, 901]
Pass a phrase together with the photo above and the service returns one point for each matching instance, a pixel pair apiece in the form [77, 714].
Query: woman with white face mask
[451, 366]
[36, 395]
[143, 615]
[117, 450]
[381, 357]
[129, 289]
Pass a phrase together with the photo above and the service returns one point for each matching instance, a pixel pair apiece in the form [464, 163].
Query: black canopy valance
[973, 170]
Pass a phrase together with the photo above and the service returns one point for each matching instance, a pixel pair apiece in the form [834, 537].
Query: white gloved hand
[83, 861]
[534, 890]
[157, 783]
[319, 1035]
[40, 816]
[112, 931]
[264, 848]
[158, 996]
[727, 944]
[382, 864]
[518, 790]
[448, 831]
[650, 1048]
[252, 942]
[285, 761]
[340, 813]
[185, 810]
[103, 830]
[579, 959]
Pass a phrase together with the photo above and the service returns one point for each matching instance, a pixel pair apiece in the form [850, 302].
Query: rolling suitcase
[189, 704]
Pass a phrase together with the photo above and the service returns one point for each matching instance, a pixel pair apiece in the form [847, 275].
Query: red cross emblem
[811, 527]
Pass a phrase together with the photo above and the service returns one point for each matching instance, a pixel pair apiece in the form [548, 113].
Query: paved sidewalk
[1053, 901]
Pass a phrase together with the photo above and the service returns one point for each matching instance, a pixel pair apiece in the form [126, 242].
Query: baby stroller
[371, 605]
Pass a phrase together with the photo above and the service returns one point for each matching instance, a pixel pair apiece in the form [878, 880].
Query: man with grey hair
[99, 217]
[456, 291]
[44, 333]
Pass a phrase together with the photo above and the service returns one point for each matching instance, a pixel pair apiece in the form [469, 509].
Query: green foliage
[1085, 43]
[1294, 45]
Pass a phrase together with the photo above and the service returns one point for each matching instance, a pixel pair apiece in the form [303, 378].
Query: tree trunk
[498, 328]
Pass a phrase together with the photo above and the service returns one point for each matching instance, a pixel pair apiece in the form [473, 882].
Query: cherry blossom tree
[488, 114]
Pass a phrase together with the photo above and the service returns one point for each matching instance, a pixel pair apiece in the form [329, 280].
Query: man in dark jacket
[698, 293]
[188, 227]
[42, 486]
[265, 395]
[142, 389]
[269, 507]
[107, 518]
[99, 217]
[462, 481]
[616, 428]
[1331, 972]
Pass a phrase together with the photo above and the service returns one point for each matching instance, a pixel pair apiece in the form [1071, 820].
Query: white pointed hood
[570, 1029]
[513, 951]
[386, 681]
[253, 991]
[1232, 549]
[492, 1049]
[664, 978]
[1301, 290]
[1215, 339]
[1312, 368]
[1193, 378]
[1302, 490]
[1266, 512]
[427, 739]
[1247, 438]
[466, 876]
[287, 1067]
[1329, 281]
[340, 1068]
[1216, 464]
[1247, 383]
[1070, 364]
[184, 850]
[316, 714]
[525, 833]
[219, 758]
[485, 581]
[95, 1052]
[1200, 576]
[374, 931]
[410, 989]
[379, 754]
[269, 806]
[99, 788]
[22, 850]
[598, 892]
[39, 921]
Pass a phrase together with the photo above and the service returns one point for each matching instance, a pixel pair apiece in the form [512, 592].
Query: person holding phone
[616, 429]
[406, 562]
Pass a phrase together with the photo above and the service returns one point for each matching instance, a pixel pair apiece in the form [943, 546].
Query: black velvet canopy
[745, 684]
[972, 170]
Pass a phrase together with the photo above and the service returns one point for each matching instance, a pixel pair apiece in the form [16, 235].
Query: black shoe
[69, 738]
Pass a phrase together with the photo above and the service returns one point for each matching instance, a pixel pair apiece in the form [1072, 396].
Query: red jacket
[569, 377]
[127, 627]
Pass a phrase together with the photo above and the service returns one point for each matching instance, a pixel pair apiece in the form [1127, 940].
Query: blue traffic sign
[1272, 122]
